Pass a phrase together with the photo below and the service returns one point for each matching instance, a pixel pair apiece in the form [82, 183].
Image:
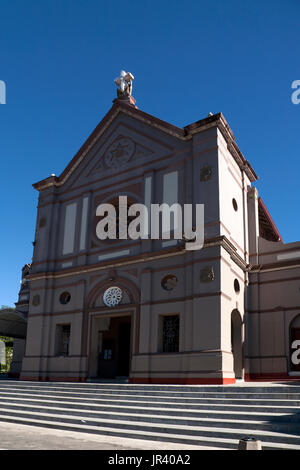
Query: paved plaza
[21, 437]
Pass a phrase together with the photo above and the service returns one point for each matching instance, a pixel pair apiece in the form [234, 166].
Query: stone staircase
[216, 416]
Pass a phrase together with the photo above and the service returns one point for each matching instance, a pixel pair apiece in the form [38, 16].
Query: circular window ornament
[65, 298]
[120, 152]
[235, 205]
[112, 296]
[236, 286]
[169, 282]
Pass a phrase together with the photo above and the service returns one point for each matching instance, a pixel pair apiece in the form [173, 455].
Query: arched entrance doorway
[112, 319]
[237, 343]
[294, 345]
[113, 345]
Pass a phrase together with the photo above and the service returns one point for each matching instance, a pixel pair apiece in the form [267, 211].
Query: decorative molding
[135, 259]
[121, 151]
[207, 274]
[169, 282]
[205, 173]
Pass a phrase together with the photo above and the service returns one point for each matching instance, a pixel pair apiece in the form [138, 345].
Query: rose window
[112, 296]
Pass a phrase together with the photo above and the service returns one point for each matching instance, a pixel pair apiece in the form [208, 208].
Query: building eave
[265, 214]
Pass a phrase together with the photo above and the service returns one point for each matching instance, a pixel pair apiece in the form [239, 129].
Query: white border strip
[114, 254]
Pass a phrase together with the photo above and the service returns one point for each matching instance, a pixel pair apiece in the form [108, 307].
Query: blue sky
[59, 59]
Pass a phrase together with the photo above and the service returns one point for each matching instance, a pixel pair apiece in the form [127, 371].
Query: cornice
[137, 259]
[277, 266]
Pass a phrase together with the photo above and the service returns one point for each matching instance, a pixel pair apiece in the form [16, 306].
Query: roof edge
[270, 219]
[184, 133]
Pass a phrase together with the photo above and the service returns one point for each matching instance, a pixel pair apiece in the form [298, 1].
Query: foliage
[4, 368]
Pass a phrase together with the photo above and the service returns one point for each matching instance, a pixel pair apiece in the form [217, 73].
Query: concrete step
[238, 388]
[274, 422]
[161, 387]
[151, 394]
[152, 401]
[170, 407]
[194, 415]
[63, 414]
[199, 435]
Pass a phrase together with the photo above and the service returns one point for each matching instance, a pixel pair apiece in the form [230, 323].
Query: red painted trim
[191, 380]
[271, 377]
[52, 379]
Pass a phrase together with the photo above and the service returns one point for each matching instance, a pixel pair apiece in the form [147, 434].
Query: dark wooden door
[124, 349]
[107, 358]
[114, 354]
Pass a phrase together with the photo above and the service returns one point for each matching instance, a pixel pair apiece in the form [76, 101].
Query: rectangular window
[63, 333]
[170, 333]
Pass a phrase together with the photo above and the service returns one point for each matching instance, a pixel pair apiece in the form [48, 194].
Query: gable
[125, 135]
[164, 134]
[124, 148]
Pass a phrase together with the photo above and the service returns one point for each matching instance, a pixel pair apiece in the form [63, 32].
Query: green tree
[4, 368]
[9, 342]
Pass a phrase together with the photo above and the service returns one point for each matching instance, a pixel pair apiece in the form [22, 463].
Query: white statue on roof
[124, 82]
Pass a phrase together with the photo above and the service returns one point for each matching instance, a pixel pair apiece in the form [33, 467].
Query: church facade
[151, 310]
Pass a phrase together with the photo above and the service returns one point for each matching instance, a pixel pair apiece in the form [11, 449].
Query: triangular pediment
[124, 145]
[147, 138]
[125, 137]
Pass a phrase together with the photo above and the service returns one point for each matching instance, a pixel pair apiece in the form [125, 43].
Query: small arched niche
[237, 343]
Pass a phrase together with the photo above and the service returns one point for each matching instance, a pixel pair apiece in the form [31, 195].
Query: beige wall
[232, 252]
